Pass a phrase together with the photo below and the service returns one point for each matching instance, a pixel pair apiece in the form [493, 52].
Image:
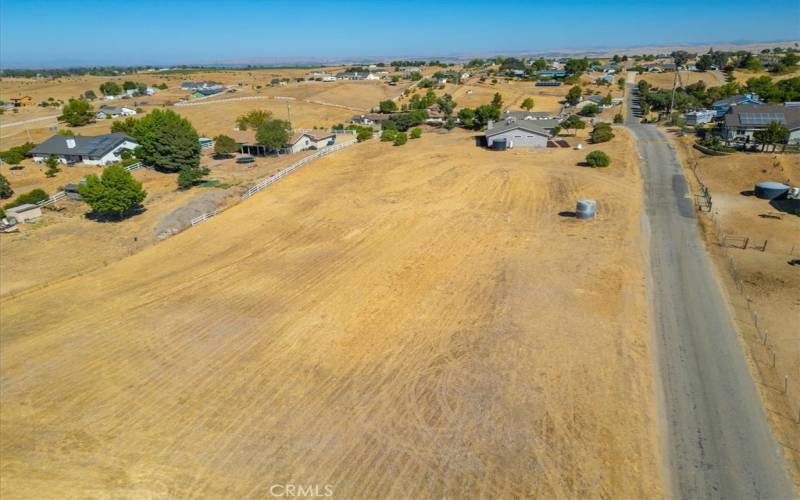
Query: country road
[716, 437]
[26, 122]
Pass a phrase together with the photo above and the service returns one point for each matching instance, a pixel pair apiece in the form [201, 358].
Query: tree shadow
[108, 217]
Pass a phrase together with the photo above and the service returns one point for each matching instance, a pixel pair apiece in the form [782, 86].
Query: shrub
[188, 177]
[5, 188]
[598, 159]
[15, 155]
[225, 145]
[400, 139]
[32, 197]
[618, 118]
[388, 135]
[601, 133]
[77, 112]
[416, 133]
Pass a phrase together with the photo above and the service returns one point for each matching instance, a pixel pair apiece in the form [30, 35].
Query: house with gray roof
[520, 129]
[114, 112]
[91, 150]
[741, 122]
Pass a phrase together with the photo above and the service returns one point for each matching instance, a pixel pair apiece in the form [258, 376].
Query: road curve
[717, 440]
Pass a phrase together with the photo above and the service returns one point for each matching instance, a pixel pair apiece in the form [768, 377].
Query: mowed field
[413, 321]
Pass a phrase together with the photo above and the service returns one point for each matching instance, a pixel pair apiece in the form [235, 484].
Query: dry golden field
[665, 80]
[393, 322]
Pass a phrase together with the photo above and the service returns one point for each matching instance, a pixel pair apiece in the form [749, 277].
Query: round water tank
[586, 209]
[770, 190]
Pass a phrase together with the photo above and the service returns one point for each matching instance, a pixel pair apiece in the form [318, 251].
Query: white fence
[134, 166]
[205, 216]
[58, 196]
[294, 166]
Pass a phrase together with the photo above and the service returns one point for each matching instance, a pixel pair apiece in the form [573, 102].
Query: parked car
[245, 159]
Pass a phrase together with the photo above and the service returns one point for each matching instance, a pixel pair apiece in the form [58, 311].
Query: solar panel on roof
[761, 118]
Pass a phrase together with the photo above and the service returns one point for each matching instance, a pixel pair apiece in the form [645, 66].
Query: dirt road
[718, 441]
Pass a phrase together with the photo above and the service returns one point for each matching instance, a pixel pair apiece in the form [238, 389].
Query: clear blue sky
[67, 32]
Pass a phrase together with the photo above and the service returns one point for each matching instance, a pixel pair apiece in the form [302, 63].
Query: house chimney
[70, 143]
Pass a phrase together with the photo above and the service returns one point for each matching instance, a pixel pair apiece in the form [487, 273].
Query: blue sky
[66, 32]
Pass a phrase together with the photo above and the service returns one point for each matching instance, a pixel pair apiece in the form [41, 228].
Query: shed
[25, 213]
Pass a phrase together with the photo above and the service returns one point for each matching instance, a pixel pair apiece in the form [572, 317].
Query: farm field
[415, 321]
[768, 282]
[334, 102]
[66, 242]
[664, 80]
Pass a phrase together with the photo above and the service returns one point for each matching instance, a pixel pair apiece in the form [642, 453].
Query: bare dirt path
[718, 441]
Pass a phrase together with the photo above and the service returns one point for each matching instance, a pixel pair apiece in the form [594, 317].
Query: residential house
[352, 75]
[551, 73]
[91, 150]
[19, 102]
[596, 99]
[520, 129]
[299, 141]
[407, 70]
[699, 116]
[743, 120]
[607, 78]
[722, 106]
[114, 112]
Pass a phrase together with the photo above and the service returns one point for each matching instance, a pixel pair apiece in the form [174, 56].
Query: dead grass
[394, 322]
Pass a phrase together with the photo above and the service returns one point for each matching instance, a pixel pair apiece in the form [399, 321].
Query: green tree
[497, 100]
[790, 59]
[400, 139]
[110, 88]
[573, 123]
[167, 141]
[775, 133]
[253, 119]
[5, 188]
[224, 145]
[274, 134]
[576, 66]
[574, 94]
[115, 192]
[387, 106]
[126, 126]
[601, 133]
[446, 104]
[466, 116]
[607, 100]
[128, 85]
[589, 110]
[598, 159]
[52, 166]
[618, 118]
[484, 114]
[77, 112]
[621, 83]
[90, 95]
[416, 133]
[527, 104]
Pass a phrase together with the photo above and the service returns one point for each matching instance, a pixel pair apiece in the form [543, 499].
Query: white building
[114, 112]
